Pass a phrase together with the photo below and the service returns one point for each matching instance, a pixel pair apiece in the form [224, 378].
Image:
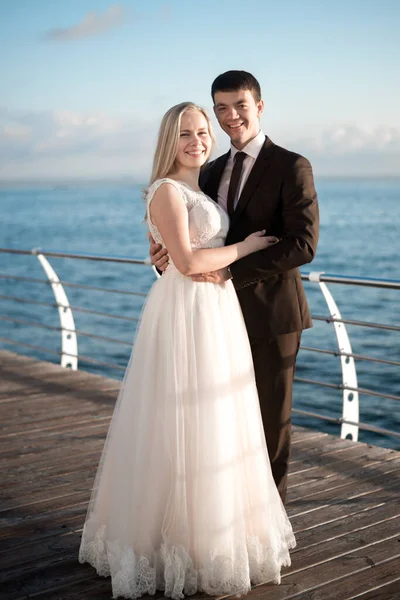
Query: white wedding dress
[184, 498]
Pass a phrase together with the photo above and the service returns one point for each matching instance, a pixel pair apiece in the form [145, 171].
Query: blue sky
[85, 83]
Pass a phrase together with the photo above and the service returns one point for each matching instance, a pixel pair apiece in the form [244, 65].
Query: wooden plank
[91, 588]
[302, 500]
[343, 463]
[63, 384]
[44, 507]
[85, 468]
[299, 436]
[51, 441]
[318, 552]
[387, 515]
[368, 476]
[305, 537]
[344, 507]
[59, 397]
[342, 495]
[311, 447]
[39, 406]
[67, 547]
[46, 498]
[54, 470]
[43, 498]
[50, 551]
[333, 451]
[50, 448]
[56, 392]
[380, 576]
[42, 466]
[87, 589]
[37, 415]
[327, 550]
[56, 427]
[308, 580]
[315, 534]
[59, 575]
[40, 527]
[66, 572]
[390, 591]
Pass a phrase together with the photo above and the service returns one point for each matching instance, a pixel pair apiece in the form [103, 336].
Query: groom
[263, 186]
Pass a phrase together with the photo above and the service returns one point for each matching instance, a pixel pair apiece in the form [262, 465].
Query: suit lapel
[212, 184]
[258, 170]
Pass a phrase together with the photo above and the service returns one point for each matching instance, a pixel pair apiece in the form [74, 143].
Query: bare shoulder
[167, 189]
[167, 197]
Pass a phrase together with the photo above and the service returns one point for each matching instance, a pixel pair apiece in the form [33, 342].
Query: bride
[184, 499]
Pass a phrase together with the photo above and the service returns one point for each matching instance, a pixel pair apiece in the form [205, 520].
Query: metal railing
[349, 420]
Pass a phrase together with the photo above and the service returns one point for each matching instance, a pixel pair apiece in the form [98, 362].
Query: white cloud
[352, 138]
[92, 24]
[349, 150]
[15, 130]
[68, 144]
[71, 144]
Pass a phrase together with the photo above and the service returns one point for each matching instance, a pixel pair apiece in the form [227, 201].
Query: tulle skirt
[184, 499]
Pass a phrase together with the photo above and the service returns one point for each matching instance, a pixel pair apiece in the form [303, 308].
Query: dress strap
[151, 190]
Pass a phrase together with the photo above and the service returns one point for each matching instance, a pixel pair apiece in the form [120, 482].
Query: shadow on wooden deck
[343, 497]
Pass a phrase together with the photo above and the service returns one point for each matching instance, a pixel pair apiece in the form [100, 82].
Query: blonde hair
[168, 139]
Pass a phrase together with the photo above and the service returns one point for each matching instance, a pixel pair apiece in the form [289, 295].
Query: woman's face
[195, 143]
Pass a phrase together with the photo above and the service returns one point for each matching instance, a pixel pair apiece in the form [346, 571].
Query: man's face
[238, 114]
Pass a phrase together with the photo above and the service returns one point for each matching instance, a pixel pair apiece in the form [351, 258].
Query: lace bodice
[208, 222]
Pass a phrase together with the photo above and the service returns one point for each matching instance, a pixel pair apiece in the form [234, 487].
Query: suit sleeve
[300, 230]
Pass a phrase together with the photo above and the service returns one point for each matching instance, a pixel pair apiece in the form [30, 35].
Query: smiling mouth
[198, 153]
[236, 126]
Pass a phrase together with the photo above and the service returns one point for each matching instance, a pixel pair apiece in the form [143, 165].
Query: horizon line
[134, 180]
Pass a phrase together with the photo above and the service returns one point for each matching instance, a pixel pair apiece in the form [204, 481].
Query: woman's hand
[259, 241]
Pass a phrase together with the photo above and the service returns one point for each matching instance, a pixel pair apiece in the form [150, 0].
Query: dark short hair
[232, 81]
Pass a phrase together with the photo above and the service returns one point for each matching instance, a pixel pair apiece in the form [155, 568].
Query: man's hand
[219, 276]
[158, 254]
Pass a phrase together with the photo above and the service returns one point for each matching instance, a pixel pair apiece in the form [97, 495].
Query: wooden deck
[343, 498]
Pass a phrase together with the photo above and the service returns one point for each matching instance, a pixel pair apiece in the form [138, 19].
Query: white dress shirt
[252, 149]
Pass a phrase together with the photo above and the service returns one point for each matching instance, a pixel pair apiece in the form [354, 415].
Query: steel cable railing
[341, 386]
[364, 391]
[392, 284]
[384, 361]
[75, 308]
[74, 285]
[384, 326]
[339, 421]
[52, 328]
[82, 357]
[78, 255]
[346, 356]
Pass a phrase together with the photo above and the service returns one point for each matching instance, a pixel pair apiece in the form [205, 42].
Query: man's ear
[260, 108]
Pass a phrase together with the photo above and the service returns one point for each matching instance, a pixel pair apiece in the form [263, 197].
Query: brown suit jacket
[279, 196]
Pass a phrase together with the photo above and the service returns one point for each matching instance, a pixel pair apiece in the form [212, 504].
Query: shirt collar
[252, 148]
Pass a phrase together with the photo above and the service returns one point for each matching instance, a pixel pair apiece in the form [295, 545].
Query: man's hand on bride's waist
[158, 255]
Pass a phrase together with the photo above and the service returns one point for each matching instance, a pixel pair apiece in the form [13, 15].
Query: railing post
[350, 411]
[69, 342]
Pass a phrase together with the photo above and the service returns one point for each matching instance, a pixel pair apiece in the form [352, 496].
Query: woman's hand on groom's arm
[219, 276]
[160, 259]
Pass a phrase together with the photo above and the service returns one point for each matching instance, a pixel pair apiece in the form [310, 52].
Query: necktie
[234, 182]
